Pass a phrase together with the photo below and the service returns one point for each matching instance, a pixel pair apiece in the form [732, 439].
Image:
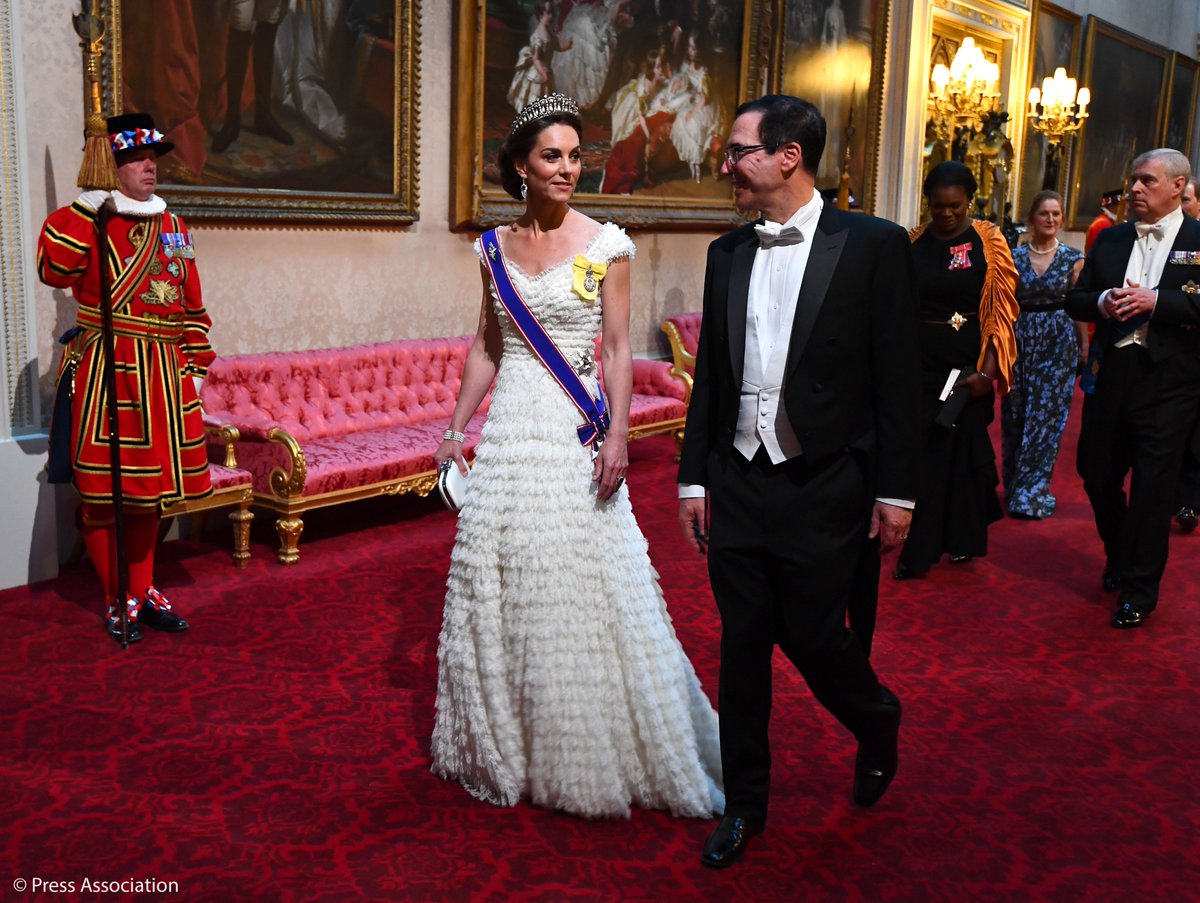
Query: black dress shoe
[1127, 616]
[114, 631]
[156, 612]
[904, 572]
[1110, 580]
[1187, 518]
[875, 764]
[162, 619]
[728, 843]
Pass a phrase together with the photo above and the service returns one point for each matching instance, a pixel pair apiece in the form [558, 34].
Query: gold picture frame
[497, 41]
[1124, 72]
[344, 91]
[1179, 119]
[831, 53]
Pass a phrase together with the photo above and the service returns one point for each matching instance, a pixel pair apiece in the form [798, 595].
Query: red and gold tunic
[161, 340]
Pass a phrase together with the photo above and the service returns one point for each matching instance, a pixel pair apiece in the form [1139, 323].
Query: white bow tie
[774, 234]
[1155, 229]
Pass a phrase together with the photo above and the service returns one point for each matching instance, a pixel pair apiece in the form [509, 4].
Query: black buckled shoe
[113, 624]
[1127, 616]
[114, 630]
[1187, 518]
[157, 613]
[875, 764]
[727, 844]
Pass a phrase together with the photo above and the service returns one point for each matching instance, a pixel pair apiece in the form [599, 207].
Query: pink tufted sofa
[683, 332]
[335, 425]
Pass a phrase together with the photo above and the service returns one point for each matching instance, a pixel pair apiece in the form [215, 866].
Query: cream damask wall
[278, 289]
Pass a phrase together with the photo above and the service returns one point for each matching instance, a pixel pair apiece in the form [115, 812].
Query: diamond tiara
[544, 106]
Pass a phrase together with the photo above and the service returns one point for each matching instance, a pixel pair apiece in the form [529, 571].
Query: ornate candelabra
[1063, 109]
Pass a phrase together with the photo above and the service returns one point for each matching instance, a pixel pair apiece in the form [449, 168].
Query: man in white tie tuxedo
[802, 439]
[1140, 285]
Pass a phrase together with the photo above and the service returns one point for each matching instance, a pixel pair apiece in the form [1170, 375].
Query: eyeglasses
[735, 152]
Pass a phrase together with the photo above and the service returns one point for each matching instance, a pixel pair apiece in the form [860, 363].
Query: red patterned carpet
[279, 749]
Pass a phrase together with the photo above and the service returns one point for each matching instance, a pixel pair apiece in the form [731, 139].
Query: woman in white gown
[698, 123]
[589, 32]
[560, 678]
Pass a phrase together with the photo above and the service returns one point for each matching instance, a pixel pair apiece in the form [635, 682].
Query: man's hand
[692, 520]
[1123, 303]
[890, 523]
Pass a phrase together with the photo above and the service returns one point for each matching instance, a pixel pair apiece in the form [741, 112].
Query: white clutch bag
[452, 484]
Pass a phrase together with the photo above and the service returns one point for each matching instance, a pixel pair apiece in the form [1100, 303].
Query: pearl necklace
[1033, 250]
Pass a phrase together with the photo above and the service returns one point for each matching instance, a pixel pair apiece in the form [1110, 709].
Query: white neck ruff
[127, 206]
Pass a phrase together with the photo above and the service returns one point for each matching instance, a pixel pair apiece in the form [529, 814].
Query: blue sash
[543, 347]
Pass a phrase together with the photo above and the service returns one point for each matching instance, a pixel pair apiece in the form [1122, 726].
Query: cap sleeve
[616, 244]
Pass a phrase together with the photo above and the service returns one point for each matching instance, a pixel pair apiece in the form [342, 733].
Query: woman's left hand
[610, 466]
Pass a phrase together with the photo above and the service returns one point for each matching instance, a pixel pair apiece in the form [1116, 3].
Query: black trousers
[784, 544]
[1189, 478]
[1136, 424]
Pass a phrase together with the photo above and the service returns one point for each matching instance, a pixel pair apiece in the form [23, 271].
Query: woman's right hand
[979, 384]
[450, 450]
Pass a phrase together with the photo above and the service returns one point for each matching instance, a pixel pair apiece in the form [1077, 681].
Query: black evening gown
[957, 497]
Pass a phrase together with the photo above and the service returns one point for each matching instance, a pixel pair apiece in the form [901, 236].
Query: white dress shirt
[1145, 268]
[775, 281]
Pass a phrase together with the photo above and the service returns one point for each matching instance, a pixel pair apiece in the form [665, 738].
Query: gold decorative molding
[252, 206]
[19, 361]
[283, 484]
[983, 17]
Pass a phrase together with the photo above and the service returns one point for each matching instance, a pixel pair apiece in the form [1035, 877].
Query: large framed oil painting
[657, 83]
[1124, 73]
[1056, 40]
[1180, 117]
[300, 111]
[831, 53]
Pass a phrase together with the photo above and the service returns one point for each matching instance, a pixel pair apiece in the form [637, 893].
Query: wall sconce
[1064, 106]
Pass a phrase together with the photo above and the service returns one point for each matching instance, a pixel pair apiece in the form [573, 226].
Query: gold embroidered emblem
[156, 267]
[956, 322]
[137, 235]
[1191, 288]
[161, 294]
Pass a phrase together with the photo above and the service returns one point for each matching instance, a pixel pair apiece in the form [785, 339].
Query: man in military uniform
[161, 346]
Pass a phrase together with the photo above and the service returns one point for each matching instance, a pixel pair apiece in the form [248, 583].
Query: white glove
[93, 200]
[198, 382]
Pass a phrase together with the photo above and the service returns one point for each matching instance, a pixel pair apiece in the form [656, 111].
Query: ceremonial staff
[99, 172]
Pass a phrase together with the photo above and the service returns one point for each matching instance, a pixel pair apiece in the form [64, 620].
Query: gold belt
[153, 327]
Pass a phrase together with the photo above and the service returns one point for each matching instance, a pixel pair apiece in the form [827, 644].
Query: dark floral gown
[1034, 414]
